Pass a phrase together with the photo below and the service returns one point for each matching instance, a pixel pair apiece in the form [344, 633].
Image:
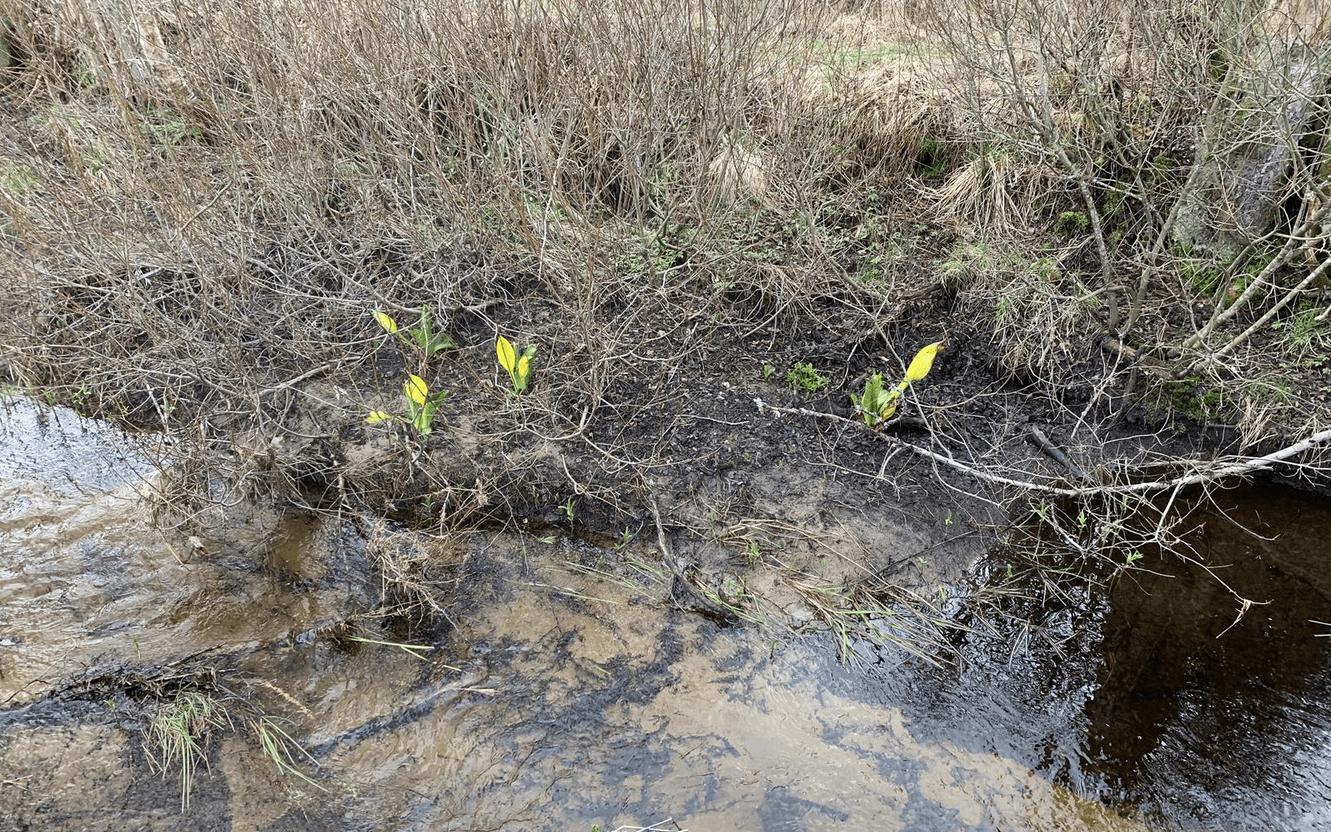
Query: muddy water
[87, 585]
[562, 696]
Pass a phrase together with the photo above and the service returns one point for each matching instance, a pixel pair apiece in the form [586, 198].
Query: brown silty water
[556, 697]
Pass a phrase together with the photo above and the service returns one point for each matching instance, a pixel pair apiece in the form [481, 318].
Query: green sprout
[803, 378]
[420, 405]
[517, 366]
[421, 336]
[876, 405]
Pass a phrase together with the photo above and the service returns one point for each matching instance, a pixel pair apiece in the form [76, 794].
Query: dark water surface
[562, 697]
[1208, 716]
[1163, 695]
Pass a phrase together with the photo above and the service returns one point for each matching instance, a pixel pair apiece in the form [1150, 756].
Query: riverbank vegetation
[1114, 214]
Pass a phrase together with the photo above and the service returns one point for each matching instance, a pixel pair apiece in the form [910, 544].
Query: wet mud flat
[571, 688]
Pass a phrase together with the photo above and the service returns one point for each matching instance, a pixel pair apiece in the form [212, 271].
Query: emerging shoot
[517, 366]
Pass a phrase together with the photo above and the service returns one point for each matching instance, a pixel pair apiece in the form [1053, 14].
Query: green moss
[1072, 223]
[1191, 398]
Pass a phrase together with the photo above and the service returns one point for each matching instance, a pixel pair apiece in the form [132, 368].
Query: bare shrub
[1179, 131]
[213, 198]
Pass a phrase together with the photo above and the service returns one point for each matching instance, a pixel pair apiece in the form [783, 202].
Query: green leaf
[524, 370]
[876, 405]
[439, 342]
[422, 331]
[889, 405]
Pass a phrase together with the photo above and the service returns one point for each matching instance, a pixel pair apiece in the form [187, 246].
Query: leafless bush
[202, 204]
[1177, 133]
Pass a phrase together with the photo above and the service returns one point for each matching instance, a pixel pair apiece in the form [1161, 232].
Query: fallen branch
[1236, 468]
[1055, 453]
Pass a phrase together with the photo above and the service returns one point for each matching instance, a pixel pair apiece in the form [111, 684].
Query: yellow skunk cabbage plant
[421, 336]
[921, 364]
[421, 405]
[877, 404]
[517, 366]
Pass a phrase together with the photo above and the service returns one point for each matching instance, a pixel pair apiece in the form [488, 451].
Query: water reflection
[1203, 714]
[66, 452]
[578, 702]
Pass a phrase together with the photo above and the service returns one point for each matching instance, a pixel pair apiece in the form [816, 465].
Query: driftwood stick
[1236, 467]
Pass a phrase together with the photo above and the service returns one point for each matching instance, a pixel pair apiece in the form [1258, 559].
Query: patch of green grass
[1304, 328]
[933, 161]
[844, 57]
[804, 379]
[177, 735]
[17, 178]
[167, 128]
[877, 244]
[752, 555]
[1275, 391]
[967, 260]
[1204, 277]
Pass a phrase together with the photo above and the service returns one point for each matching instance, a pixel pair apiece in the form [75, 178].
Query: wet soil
[574, 685]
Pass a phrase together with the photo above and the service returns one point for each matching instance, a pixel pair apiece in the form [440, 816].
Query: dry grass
[284, 169]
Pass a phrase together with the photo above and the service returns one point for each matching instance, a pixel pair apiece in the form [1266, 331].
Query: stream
[558, 695]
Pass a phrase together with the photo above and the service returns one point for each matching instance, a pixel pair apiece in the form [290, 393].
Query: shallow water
[559, 698]
[87, 585]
